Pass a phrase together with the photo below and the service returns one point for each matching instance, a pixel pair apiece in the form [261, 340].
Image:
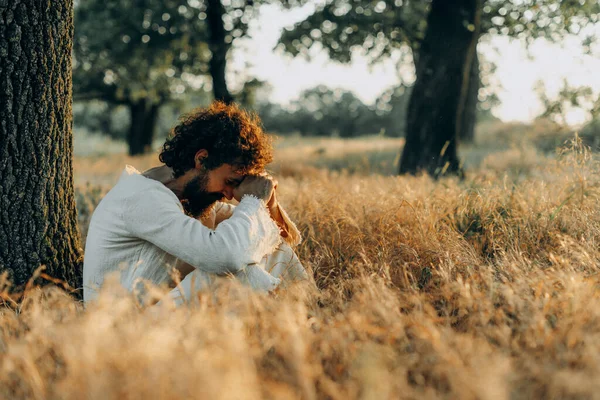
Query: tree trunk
[469, 118]
[144, 115]
[105, 120]
[37, 205]
[438, 96]
[219, 48]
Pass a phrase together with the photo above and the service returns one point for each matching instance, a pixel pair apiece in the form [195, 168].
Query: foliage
[318, 111]
[550, 19]
[380, 27]
[131, 50]
[99, 117]
[151, 49]
[377, 27]
[568, 98]
[321, 111]
[592, 129]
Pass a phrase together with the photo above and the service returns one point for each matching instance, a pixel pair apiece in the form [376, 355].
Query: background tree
[322, 111]
[142, 54]
[37, 208]
[380, 27]
[391, 106]
[219, 47]
[138, 54]
[440, 91]
[335, 112]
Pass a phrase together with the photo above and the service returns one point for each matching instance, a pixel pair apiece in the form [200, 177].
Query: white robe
[139, 229]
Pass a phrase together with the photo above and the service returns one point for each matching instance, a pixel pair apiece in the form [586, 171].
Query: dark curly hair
[229, 134]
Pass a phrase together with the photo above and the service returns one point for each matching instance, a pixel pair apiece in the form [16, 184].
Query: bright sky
[516, 72]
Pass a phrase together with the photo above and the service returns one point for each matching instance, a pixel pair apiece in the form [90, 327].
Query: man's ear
[199, 158]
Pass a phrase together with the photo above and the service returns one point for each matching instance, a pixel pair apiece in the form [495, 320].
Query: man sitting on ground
[171, 217]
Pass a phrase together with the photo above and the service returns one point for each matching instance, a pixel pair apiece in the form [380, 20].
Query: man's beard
[197, 201]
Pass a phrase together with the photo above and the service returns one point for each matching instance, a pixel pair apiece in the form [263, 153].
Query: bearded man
[170, 219]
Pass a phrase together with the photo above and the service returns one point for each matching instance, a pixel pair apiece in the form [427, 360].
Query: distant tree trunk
[144, 115]
[105, 120]
[219, 48]
[467, 133]
[438, 96]
[37, 204]
[469, 117]
[247, 99]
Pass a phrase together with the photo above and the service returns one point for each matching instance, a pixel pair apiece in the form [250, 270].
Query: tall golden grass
[482, 289]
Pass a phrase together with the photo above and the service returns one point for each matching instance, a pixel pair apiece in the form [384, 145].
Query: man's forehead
[237, 177]
[235, 173]
[242, 172]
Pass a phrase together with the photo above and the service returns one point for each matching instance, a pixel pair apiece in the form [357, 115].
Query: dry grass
[482, 289]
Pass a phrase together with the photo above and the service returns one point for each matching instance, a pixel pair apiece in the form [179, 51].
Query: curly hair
[228, 133]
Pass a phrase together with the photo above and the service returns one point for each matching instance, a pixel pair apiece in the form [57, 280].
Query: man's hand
[262, 187]
[273, 207]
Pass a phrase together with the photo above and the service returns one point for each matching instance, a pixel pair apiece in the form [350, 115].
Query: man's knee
[284, 264]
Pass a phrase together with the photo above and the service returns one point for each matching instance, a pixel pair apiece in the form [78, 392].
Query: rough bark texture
[38, 222]
[469, 116]
[219, 48]
[438, 96]
[144, 115]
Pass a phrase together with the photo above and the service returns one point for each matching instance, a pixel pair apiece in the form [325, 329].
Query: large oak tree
[439, 94]
[37, 207]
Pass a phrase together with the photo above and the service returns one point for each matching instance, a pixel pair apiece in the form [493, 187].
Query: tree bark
[469, 117]
[438, 96]
[37, 205]
[144, 115]
[219, 48]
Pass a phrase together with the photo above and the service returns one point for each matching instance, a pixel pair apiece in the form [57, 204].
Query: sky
[515, 78]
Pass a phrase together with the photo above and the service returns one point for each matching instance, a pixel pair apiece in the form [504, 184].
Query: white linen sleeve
[243, 239]
[294, 237]
[224, 210]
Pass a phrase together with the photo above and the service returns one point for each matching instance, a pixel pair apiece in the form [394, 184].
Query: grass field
[482, 289]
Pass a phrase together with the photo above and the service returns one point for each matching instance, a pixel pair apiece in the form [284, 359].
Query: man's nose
[228, 193]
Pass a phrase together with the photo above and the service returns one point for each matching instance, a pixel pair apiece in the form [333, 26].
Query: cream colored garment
[139, 229]
[282, 264]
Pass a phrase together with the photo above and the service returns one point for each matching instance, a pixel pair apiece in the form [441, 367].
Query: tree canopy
[127, 50]
[144, 53]
[380, 27]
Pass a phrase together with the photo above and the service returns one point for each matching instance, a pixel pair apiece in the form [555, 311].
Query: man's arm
[289, 231]
[243, 239]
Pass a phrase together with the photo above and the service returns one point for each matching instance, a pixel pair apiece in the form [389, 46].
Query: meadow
[486, 288]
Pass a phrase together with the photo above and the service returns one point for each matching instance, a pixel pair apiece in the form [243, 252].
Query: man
[171, 219]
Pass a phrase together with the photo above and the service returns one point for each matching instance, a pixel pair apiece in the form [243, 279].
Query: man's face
[208, 187]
